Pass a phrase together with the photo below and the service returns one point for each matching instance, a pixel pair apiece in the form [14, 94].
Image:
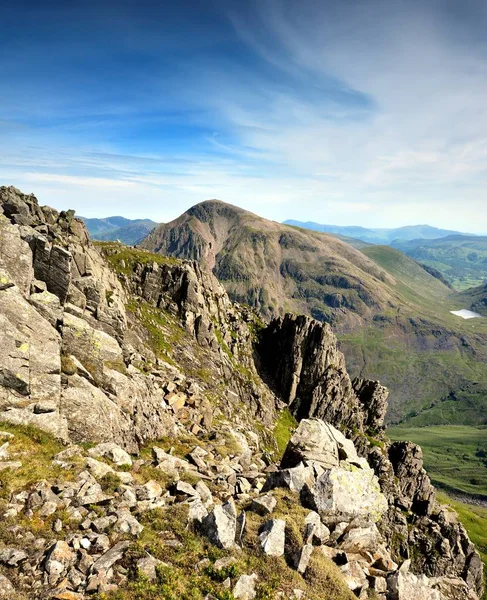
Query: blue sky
[368, 112]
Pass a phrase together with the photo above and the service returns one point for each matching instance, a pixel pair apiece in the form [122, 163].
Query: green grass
[454, 456]
[285, 425]
[123, 259]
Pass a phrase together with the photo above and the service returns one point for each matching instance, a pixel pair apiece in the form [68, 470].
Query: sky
[351, 112]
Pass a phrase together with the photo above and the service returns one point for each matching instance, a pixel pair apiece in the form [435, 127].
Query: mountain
[159, 441]
[391, 315]
[127, 231]
[461, 259]
[378, 235]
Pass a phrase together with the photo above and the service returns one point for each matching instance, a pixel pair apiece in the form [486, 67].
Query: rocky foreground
[143, 414]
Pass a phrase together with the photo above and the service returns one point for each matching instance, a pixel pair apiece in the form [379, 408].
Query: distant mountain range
[379, 235]
[128, 231]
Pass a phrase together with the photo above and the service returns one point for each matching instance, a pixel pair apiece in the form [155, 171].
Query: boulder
[263, 505]
[347, 495]
[244, 589]
[272, 537]
[316, 532]
[302, 557]
[113, 452]
[221, 525]
[294, 479]
[311, 442]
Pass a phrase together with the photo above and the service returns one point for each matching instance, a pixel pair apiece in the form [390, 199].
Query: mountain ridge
[380, 235]
[153, 377]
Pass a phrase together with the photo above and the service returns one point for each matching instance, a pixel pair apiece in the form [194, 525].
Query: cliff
[141, 412]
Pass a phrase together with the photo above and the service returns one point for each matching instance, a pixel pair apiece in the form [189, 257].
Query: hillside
[274, 267]
[378, 235]
[127, 231]
[475, 299]
[461, 259]
[159, 441]
[392, 316]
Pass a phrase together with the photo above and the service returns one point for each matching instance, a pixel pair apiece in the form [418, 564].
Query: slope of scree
[117, 347]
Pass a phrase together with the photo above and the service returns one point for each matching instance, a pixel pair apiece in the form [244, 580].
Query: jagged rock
[244, 589]
[127, 523]
[109, 558]
[374, 399]
[354, 575]
[113, 452]
[416, 491]
[221, 525]
[309, 372]
[169, 463]
[149, 491]
[148, 565]
[12, 557]
[302, 557]
[403, 585]
[272, 537]
[48, 305]
[361, 539]
[264, 505]
[316, 532]
[58, 558]
[315, 441]
[311, 442]
[97, 468]
[197, 511]
[294, 479]
[7, 590]
[342, 495]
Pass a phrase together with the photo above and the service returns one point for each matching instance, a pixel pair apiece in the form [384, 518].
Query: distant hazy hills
[462, 259]
[378, 236]
[392, 315]
[128, 231]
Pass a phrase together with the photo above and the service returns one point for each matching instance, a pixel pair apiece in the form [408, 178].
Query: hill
[391, 315]
[127, 231]
[159, 441]
[378, 235]
[462, 259]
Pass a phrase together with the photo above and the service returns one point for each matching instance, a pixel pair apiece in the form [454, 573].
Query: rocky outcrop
[72, 363]
[116, 346]
[301, 359]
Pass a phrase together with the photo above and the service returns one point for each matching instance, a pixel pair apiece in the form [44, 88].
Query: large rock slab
[221, 525]
[272, 537]
[318, 442]
[341, 495]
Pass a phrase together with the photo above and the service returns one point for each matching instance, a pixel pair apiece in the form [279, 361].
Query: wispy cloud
[370, 112]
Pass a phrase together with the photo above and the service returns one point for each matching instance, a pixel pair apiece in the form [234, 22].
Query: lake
[465, 314]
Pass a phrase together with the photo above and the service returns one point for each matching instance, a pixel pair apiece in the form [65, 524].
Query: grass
[163, 333]
[283, 430]
[455, 456]
[124, 260]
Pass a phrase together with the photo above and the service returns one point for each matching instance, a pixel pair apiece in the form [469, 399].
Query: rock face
[308, 371]
[69, 362]
[115, 346]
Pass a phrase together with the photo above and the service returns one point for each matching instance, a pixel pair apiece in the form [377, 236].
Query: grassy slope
[462, 259]
[455, 456]
[419, 376]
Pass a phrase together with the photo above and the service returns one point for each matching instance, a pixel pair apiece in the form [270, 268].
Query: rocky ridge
[119, 347]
